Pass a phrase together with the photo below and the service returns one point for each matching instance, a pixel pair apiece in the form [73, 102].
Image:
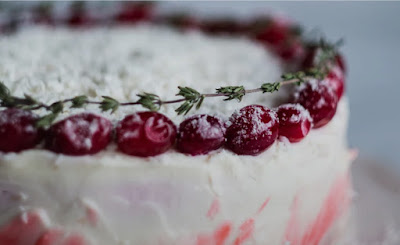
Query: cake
[262, 171]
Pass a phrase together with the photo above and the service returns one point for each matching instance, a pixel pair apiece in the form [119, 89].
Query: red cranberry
[335, 79]
[229, 26]
[145, 134]
[18, 131]
[200, 134]
[78, 16]
[320, 100]
[308, 58]
[253, 129]
[134, 12]
[42, 14]
[341, 63]
[183, 22]
[78, 19]
[82, 134]
[308, 61]
[294, 122]
[274, 34]
[290, 51]
[24, 229]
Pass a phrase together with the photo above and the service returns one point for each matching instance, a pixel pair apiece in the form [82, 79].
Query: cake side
[111, 198]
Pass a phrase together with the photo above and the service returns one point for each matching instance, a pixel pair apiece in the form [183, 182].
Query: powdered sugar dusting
[254, 126]
[295, 118]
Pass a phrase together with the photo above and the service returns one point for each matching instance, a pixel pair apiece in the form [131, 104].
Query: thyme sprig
[190, 98]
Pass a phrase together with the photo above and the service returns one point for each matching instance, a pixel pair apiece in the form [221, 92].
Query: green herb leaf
[109, 103]
[46, 120]
[79, 101]
[56, 107]
[29, 100]
[150, 101]
[270, 87]
[192, 97]
[232, 92]
[200, 102]
[4, 91]
[287, 76]
[184, 108]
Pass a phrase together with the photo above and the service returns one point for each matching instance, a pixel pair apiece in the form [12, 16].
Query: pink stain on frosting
[58, 237]
[214, 209]
[265, 203]
[292, 232]
[332, 208]
[24, 229]
[218, 237]
[91, 216]
[245, 231]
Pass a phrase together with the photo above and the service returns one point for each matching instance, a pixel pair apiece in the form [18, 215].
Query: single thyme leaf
[232, 92]
[109, 103]
[46, 120]
[270, 87]
[56, 107]
[150, 101]
[316, 73]
[287, 76]
[200, 102]
[184, 108]
[79, 101]
[29, 100]
[192, 97]
[188, 93]
[4, 91]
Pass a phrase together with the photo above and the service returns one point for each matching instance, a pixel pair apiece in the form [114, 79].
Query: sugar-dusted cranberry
[81, 134]
[335, 80]
[200, 134]
[308, 58]
[291, 50]
[133, 12]
[22, 230]
[18, 131]
[52, 237]
[341, 63]
[320, 100]
[253, 129]
[274, 33]
[219, 26]
[294, 122]
[78, 15]
[42, 14]
[145, 134]
[181, 21]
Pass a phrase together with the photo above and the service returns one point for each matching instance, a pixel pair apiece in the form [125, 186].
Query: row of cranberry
[249, 131]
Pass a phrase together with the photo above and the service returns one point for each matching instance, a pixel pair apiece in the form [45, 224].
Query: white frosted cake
[289, 191]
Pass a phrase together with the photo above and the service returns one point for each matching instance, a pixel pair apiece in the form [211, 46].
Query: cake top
[122, 62]
[114, 69]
